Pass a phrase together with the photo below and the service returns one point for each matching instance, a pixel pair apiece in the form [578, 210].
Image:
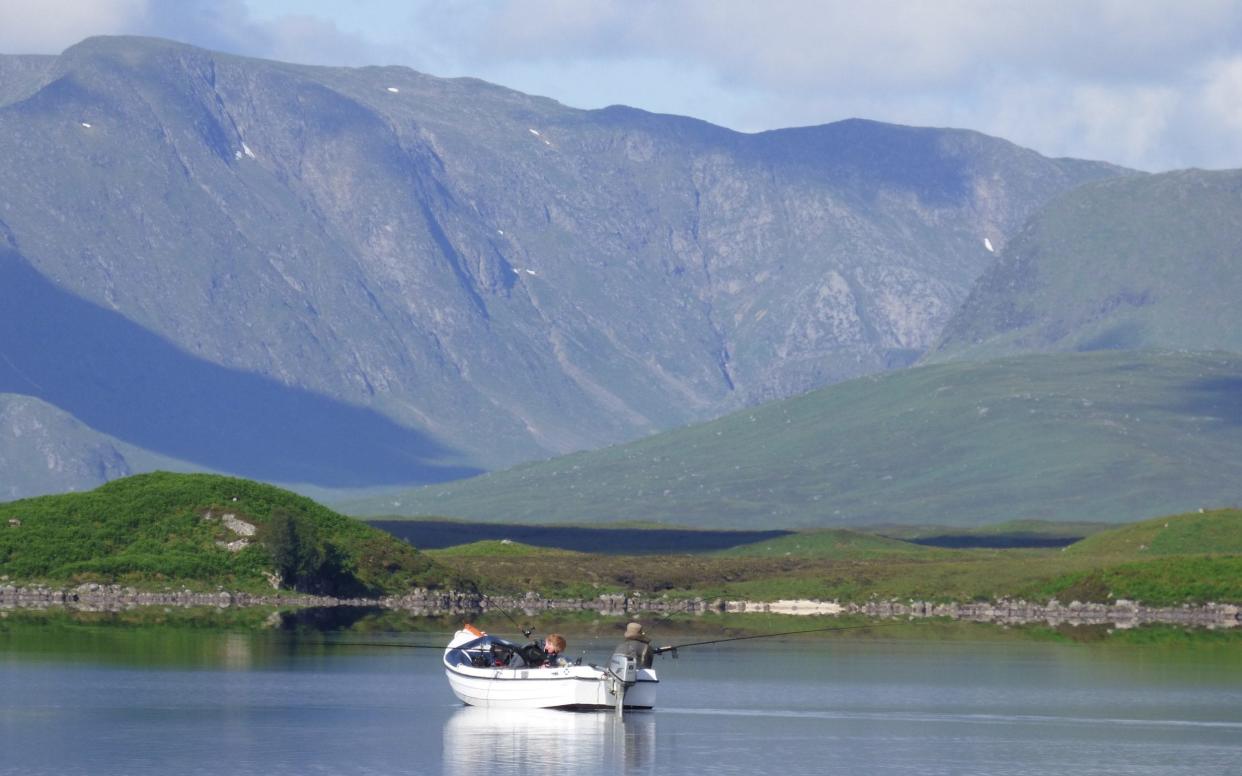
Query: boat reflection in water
[480, 740]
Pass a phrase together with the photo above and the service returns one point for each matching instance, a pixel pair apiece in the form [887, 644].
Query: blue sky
[1153, 85]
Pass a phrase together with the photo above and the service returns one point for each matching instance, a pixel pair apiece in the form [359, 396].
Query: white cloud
[1147, 84]
[1128, 82]
[50, 26]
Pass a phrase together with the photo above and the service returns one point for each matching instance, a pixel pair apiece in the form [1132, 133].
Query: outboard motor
[622, 674]
[624, 667]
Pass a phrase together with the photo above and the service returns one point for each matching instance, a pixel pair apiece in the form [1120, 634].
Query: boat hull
[575, 687]
[562, 687]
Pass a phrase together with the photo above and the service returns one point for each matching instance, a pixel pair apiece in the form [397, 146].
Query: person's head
[555, 642]
[635, 631]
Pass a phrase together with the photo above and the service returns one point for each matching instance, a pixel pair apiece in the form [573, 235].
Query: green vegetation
[492, 548]
[1168, 581]
[1202, 564]
[1211, 531]
[832, 544]
[166, 529]
[1014, 530]
[1084, 437]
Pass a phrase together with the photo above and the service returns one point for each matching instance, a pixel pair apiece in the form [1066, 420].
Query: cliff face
[469, 275]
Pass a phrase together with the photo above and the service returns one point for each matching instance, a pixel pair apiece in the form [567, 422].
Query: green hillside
[832, 544]
[1209, 532]
[1107, 436]
[490, 548]
[169, 528]
[1130, 263]
[1012, 530]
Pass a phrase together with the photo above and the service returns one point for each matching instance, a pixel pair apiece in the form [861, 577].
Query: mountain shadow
[125, 381]
[1215, 397]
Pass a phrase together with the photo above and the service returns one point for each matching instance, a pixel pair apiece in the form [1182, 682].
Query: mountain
[45, 449]
[367, 277]
[1131, 263]
[1109, 436]
[21, 76]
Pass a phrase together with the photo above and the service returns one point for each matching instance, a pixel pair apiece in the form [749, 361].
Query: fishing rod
[526, 630]
[674, 647]
[382, 644]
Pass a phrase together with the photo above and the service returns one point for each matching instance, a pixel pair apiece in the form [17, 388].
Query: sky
[1147, 84]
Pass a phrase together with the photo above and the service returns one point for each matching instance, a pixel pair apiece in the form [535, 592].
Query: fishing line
[660, 650]
[675, 647]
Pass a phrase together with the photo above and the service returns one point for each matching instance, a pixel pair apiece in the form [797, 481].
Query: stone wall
[1121, 614]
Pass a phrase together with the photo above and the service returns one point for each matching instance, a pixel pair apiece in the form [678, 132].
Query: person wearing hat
[637, 644]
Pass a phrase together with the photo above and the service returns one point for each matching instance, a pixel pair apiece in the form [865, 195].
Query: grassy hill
[164, 528]
[1135, 262]
[1216, 531]
[836, 543]
[1201, 563]
[1108, 436]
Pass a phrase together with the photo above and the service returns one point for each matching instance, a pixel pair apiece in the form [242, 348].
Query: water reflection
[546, 741]
[237, 651]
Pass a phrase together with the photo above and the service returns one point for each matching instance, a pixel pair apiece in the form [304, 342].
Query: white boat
[489, 671]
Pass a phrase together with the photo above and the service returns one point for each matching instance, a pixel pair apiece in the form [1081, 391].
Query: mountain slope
[44, 449]
[469, 275]
[1101, 437]
[1140, 262]
[1214, 531]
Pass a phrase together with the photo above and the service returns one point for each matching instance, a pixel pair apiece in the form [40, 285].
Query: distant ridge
[1085, 437]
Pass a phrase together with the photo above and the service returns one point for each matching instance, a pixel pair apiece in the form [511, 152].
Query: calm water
[116, 701]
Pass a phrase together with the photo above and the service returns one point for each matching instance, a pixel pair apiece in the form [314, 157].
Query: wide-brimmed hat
[635, 631]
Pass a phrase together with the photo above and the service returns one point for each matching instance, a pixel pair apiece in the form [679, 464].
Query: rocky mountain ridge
[361, 277]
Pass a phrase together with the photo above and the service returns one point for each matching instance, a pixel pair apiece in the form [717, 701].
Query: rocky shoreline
[1120, 614]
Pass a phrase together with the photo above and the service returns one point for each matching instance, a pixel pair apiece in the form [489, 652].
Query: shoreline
[1120, 614]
